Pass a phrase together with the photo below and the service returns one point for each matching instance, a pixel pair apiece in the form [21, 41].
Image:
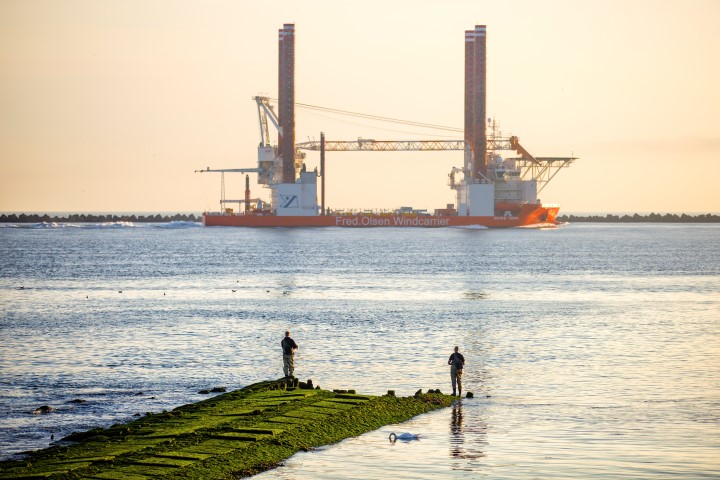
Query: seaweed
[236, 434]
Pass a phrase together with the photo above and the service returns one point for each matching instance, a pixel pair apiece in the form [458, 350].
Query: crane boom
[265, 112]
[229, 170]
[366, 144]
[540, 169]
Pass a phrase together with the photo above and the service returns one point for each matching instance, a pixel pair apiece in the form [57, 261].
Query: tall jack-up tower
[286, 101]
[479, 96]
[292, 196]
[475, 109]
[469, 98]
[476, 194]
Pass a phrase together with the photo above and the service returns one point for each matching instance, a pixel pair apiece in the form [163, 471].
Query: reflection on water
[372, 456]
[467, 442]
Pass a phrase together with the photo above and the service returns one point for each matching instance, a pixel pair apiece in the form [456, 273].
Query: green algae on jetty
[232, 435]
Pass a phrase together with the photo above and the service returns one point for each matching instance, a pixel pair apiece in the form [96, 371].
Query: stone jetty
[232, 435]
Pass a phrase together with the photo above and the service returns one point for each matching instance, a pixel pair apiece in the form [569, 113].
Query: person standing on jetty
[456, 362]
[288, 346]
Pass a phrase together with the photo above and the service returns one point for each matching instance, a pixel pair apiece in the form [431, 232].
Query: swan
[403, 436]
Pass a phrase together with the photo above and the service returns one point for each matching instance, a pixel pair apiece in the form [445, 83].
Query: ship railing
[380, 213]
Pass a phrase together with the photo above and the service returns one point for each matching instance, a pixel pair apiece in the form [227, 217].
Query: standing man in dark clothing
[456, 362]
[288, 346]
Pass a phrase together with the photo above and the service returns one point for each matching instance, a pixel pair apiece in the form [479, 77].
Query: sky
[111, 106]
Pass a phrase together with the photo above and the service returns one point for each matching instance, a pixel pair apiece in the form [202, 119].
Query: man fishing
[456, 362]
[288, 346]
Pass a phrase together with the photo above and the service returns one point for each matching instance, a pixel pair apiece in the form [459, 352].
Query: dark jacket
[456, 360]
[288, 345]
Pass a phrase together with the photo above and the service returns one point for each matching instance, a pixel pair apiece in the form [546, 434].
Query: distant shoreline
[181, 217]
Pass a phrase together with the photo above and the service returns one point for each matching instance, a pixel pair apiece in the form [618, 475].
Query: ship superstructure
[490, 190]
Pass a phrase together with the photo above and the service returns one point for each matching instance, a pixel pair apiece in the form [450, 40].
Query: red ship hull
[529, 215]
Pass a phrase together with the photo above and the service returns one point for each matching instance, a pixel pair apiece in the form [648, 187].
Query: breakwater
[637, 218]
[93, 218]
[232, 435]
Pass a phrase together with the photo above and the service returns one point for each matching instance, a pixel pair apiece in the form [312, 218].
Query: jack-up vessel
[491, 191]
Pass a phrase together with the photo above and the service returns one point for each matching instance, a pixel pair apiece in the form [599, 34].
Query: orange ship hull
[529, 215]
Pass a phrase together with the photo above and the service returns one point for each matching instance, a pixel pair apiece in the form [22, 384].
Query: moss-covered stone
[236, 434]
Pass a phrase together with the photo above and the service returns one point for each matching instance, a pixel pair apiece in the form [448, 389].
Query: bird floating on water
[403, 436]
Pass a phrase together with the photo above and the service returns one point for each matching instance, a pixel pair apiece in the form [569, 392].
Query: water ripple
[593, 351]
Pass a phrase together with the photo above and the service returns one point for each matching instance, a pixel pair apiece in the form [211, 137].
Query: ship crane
[265, 113]
[269, 167]
[224, 201]
[540, 169]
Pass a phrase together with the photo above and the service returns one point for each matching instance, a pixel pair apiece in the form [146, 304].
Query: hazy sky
[110, 106]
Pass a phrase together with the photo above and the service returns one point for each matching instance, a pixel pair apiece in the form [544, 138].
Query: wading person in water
[456, 362]
[288, 346]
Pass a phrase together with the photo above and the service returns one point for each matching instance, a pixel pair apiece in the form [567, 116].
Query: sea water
[593, 351]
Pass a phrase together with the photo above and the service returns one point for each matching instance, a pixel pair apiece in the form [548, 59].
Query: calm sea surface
[593, 350]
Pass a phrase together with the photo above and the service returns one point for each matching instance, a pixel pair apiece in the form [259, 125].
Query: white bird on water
[403, 436]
